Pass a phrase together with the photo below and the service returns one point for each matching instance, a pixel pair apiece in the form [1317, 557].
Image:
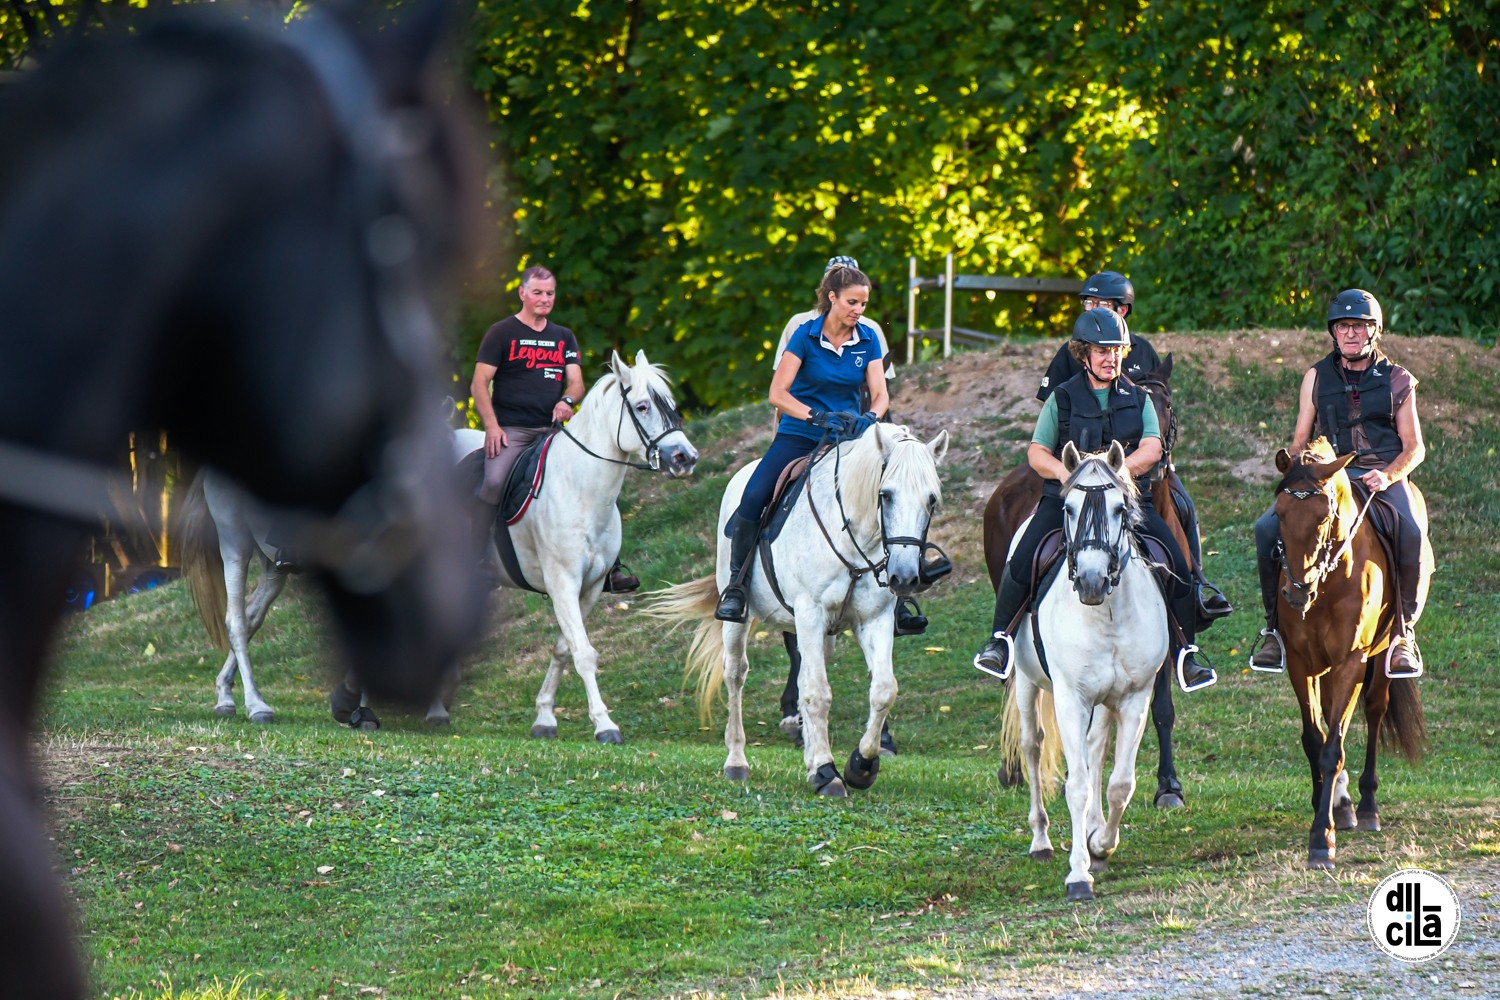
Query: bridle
[373, 537]
[1095, 534]
[671, 422]
[1328, 556]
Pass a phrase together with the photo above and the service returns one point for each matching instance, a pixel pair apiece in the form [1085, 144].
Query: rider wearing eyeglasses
[1093, 409]
[1362, 402]
[1113, 291]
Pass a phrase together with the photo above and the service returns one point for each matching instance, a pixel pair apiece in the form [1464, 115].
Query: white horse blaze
[1102, 656]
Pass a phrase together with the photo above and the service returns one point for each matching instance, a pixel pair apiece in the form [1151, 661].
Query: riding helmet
[1355, 303]
[840, 261]
[1111, 285]
[1102, 328]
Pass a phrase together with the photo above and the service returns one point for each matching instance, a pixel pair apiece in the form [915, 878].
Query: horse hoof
[1080, 892]
[438, 721]
[1009, 775]
[342, 718]
[544, 732]
[834, 790]
[859, 772]
[365, 719]
[1320, 861]
[737, 772]
[608, 736]
[827, 781]
[888, 744]
[1343, 818]
[1045, 855]
[224, 711]
[263, 717]
[342, 702]
[1169, 800]
[1370, 822]
[791, 725]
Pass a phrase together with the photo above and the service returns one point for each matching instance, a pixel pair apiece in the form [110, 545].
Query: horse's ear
[1165, 368]
[640, 359]
[1116, 458]
[1283, 460]
[938, 447]
[1070, 457]
[617, 366]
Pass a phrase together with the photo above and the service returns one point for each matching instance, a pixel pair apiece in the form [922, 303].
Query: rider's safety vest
[1377, 410]
[1080, 420]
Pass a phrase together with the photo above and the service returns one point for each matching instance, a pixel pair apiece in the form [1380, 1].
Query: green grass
[322, 862]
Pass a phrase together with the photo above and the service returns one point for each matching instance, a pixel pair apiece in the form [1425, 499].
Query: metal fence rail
[949, 282]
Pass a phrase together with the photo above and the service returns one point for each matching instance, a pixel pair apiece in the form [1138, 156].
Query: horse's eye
[643, 407]
[885, 496]
[931, 503]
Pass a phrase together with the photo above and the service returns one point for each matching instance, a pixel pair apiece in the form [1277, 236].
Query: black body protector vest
[1080, 420]
[1377, 410]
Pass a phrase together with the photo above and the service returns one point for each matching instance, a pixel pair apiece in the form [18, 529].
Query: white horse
[1105, 635]
[850, 546]
[223, 532]
[569, 537]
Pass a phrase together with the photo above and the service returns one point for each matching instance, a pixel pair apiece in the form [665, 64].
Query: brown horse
[1012, 503]
[1336, 609]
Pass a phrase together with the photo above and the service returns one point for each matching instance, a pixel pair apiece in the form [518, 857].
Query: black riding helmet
[1356, 303]
[1102, 328]
[1111, 285]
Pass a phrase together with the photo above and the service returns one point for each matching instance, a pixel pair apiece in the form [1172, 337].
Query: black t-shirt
[1141, 359]
[530, 369]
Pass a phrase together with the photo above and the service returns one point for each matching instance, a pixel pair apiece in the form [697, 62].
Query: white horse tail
[202, 565]
[1049, 767]
[696, 601]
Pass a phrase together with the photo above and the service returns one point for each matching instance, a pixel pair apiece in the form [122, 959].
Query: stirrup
[1182, 655]
[1010, 658]
[744, 615]
[1205, 611]
[915, 623]
[1416, 654]
[1280, 668]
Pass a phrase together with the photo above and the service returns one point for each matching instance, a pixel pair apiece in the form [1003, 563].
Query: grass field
[323, 862]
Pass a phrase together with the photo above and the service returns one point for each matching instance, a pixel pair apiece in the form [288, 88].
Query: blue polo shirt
[830, 378]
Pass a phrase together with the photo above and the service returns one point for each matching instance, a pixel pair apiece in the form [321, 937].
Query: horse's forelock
[867, 468]
[1097, 470]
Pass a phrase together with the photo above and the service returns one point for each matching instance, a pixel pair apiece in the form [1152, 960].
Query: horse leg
[345, 698]
[814, 696]
[1338, 694]
[437, 712]
[1026, 695]
[1164, 717]
[736, 667]
[791, 722]
[266, 591]
[545, 725]
[1341, 805]
[1377, 703]
[1130, 727]
[875, 640]
[570, 614]
[1102, 721]
[1072, 724]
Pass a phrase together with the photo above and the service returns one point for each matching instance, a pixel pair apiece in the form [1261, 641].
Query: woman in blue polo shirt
[816, 387]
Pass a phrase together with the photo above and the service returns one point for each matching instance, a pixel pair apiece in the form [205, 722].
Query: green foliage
[688, 166]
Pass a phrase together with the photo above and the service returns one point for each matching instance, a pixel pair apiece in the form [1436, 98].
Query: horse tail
[1405, 729]
[202, 565]
[1050, 765]
[695, 601]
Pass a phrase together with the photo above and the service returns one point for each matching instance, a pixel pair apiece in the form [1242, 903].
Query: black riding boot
[1405, 660]
[995, 657]
[1269, 656]
[482, 517]
[1191, 674]
[734, 602]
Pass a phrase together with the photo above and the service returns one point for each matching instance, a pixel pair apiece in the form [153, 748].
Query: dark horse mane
[231, 232]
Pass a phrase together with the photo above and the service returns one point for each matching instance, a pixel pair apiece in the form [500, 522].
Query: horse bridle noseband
[1091, 522]
[1329, 558]
[669, 416]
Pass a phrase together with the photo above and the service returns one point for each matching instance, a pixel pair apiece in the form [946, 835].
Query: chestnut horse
[1012, 503]
[1336, 609]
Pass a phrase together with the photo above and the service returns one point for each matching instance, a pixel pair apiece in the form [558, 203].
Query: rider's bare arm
[1307, 412]
[781, 388]
[880, 400]
[1145, 457]
[1413, 448]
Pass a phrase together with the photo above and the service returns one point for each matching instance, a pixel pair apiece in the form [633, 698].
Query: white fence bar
[911, 310]
[948, 309]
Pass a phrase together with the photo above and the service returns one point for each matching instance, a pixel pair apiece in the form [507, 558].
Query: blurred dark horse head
[230, 230]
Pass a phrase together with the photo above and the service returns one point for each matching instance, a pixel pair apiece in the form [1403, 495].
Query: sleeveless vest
[1376, 406]
[1080, 420]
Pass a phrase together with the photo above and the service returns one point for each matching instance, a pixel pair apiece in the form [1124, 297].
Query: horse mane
[657, 385]
[1318, 450]
[865, 469]
[1125, 484]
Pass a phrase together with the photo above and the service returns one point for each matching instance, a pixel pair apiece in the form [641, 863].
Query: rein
[1330, 559]
[651, 444]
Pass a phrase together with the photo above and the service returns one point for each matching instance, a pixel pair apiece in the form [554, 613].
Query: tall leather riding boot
[1191, 674]
[734, 602]
[1268, 655]
[995, 656]
[482, 518]
[1405, 660]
